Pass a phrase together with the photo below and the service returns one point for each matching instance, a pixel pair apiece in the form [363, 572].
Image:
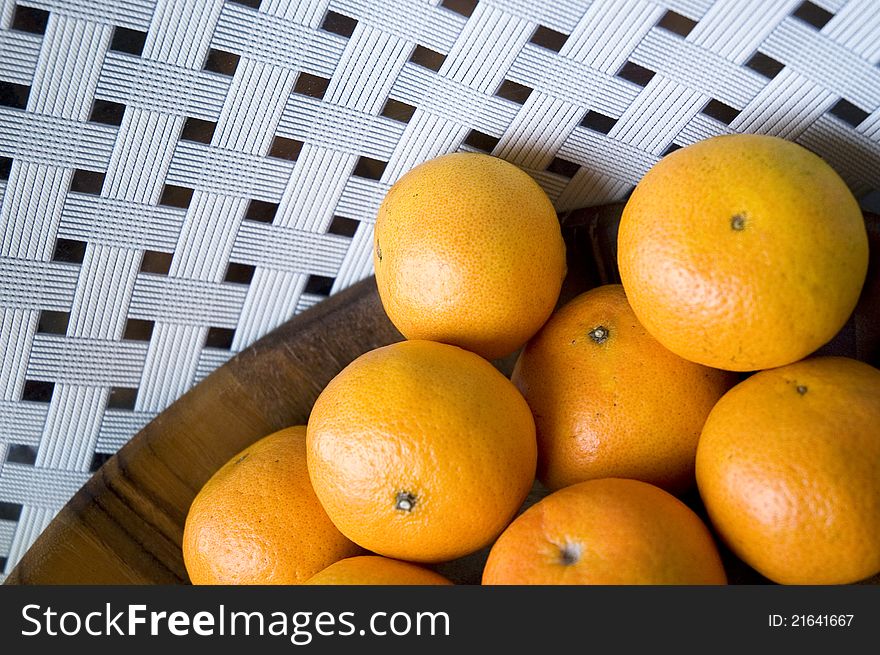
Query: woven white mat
[178, 177]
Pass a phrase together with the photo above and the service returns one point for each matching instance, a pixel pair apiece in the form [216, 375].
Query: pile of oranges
[739, 257]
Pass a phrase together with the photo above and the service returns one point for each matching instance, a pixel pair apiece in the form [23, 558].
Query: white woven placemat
[178, 177]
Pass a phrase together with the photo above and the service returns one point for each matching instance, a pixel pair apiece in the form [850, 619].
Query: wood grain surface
[125, 525]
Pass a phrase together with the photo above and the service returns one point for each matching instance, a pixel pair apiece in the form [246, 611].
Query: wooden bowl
[126, 523]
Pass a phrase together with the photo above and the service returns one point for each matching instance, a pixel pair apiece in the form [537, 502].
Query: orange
[609, 400]
[611, 531]
[258, 521]
[421, 451]
[468, 251]
[788, 467]
[742, 252]
[376, 570]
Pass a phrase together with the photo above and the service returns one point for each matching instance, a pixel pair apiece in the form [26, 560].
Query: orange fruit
[468, 251]
[421, 451]
[788, 467]
[609, 400]
[376, 570]
[258, 521]
[611, 531]
[742, 252]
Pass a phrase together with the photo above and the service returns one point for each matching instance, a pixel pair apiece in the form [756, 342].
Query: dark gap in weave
[261, 211]
[222, 62]
[284, 148]
[676, 23]
[107, 112]
[848, 112]
[398, 111]
[98, 460]
[597, 122]
[310, 85]
[21, 454]
[563, 167]
[514, 91]
[219, 337]
[765, 65]
[461, 7]
[138, 329]
[812, 14]
[14, 95]
[176, 196]
[430, 59]
[369, 168]
[319, 285]
[198, 130]
[38, 391]
[720, 111]
[239, 273]
[70, 251]
[340, 24]
[253, 4]
[5, 167]
[548, 38]
[128, 41]
[672, 147]
[30, 19]
[481, 141]
[636, 74]
[122, 398]
[342, 226]
[9, 511]
[89, 182]
[156, 262]
[53, 322]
